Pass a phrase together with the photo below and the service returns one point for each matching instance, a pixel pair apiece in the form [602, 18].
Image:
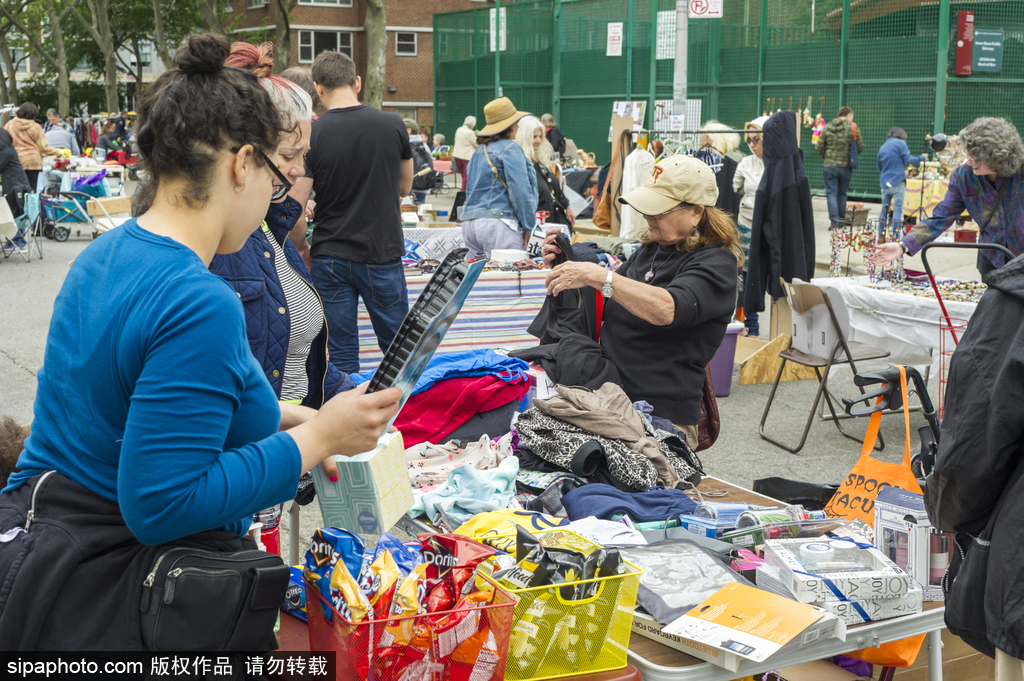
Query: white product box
[854, 611]
[906, 536]
[541, 387]
[813, 331]
[858, 573]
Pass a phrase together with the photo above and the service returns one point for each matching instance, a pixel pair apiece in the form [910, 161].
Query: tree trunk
[161, 37]
[63, 79]
[209, 16]
[376, 53]
[282, 35]
[9, 87]
[102, 20]
[137, 49]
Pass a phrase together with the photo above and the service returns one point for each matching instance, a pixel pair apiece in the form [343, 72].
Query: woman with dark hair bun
[154, 426]
[29, 141]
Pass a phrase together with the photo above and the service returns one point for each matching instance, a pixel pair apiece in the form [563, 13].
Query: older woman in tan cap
[501, 193]
[667, 307]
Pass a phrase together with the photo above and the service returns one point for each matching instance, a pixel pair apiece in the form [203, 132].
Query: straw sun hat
[500, 114]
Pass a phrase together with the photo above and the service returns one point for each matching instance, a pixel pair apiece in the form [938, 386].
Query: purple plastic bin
[721, 363]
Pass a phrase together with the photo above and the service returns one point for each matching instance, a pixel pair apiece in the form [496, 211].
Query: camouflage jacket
[834, 144]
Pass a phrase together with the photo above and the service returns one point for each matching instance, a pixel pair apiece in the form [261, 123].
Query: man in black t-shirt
[360, 165]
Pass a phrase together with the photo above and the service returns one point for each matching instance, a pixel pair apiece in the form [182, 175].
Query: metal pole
[498, 27]
[627, 44]
[935, 637]
[844, 38]
[714, 54]
[653, 84]
[556, 60]
[941, 68]
[762, 48]
[682, 54]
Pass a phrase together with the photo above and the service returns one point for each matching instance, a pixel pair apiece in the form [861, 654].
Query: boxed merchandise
[541, 387]
[854, 611]
[905, 535]
[858, 571]
[372, 491]
[741, 622]
[705, 527]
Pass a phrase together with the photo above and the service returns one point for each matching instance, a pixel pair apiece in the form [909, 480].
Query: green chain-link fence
[892, 61]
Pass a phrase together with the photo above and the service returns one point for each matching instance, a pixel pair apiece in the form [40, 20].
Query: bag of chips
[378, 582]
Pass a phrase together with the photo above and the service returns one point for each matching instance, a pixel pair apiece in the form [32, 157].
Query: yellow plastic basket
[553, 637]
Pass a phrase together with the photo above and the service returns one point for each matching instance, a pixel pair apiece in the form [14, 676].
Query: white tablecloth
[904, 324]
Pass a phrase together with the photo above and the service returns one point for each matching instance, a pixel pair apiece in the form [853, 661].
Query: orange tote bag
[855, 500]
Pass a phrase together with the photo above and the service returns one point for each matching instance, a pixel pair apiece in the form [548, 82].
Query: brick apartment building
[319, 25]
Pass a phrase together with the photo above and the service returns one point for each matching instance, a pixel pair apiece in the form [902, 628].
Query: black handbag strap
[987, 533]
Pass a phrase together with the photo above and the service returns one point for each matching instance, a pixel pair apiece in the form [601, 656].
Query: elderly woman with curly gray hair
[990, 186]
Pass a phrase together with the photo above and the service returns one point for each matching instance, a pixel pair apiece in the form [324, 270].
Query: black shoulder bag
[966, 579]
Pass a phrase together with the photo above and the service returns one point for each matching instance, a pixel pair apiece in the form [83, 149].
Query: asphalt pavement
[740, 455]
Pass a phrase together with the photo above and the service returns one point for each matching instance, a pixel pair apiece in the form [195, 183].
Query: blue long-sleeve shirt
[150, 397]
[978, 196]
[893, 158]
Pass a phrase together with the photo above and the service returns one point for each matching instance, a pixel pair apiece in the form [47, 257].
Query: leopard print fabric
[557, 441]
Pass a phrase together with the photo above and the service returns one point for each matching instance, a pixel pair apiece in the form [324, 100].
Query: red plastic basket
[364, 654]
[951, 330]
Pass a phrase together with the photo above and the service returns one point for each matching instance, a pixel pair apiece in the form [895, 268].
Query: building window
[405, 44]
[312, 43]
[255, 4]
[406, 111]
[327, 3]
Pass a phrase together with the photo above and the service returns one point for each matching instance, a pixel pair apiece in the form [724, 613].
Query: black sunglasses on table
[283, 186]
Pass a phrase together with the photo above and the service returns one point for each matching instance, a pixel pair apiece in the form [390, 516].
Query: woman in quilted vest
[284, 317]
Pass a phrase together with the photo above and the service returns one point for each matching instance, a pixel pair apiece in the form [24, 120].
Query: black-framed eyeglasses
[283, 186]
[753, 141]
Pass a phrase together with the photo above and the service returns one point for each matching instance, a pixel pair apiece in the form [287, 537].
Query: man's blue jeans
[895, 196]
[837, 181]
[340, 284]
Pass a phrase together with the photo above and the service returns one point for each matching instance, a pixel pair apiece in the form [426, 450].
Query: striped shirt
[306, 317]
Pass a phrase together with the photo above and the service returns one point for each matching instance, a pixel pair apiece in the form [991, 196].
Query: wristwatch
[903, 246]
[608, 290]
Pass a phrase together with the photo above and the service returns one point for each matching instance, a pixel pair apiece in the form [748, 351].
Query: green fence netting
[892, 61]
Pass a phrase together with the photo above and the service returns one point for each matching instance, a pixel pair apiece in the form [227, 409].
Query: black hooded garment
[782, 233]
[982, 445]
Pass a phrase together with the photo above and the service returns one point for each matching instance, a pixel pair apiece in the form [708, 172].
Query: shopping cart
[951, 328]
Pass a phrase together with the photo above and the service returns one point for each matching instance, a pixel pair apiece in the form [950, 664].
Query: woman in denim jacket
[501, 194]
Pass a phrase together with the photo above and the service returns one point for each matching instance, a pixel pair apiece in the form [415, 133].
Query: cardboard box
[819, 670]
[854, 611]
[904, 533]
[372, 491]
[884, 579]
[111, 204]
[541, 387]
[740, 622]
[811, 327]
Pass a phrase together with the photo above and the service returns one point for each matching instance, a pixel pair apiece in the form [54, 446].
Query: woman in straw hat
[667, 307]
[501, 195]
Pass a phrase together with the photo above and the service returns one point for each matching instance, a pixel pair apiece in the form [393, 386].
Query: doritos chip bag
[450, 561]
[346, 596]
[378, 582]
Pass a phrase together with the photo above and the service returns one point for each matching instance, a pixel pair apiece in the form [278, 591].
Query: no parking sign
[706, 9]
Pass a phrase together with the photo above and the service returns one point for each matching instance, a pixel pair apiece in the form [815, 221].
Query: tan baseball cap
[674, 180]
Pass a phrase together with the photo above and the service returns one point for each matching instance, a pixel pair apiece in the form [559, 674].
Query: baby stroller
[60, 209]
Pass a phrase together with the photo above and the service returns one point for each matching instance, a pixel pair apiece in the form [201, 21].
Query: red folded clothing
[434, 413]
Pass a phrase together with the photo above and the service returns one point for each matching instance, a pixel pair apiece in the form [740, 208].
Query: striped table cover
[496, 314]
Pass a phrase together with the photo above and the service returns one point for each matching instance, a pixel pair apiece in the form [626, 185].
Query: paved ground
[29, 290]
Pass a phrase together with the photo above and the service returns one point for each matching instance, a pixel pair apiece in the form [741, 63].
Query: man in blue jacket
[893, 158]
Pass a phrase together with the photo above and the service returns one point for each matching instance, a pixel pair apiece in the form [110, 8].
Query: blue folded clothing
[464, 365]
[603, 501]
